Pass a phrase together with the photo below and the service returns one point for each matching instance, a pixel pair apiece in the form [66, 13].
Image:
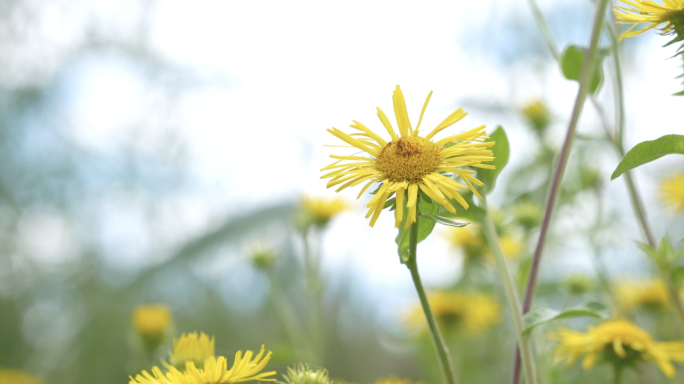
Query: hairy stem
[444, 358]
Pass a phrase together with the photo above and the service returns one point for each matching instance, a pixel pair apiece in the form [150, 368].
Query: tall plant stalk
[588, 67]
[443, 355]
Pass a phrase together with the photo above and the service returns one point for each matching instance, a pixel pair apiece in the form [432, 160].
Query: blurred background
[147, 146]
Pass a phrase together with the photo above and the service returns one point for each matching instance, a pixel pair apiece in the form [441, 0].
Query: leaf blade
[647, 151]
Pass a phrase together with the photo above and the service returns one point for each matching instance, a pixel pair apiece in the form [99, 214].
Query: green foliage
[648, 151]
[501, 153]
[425, 227]
[541, 315]
[571, 65]
[667, 257]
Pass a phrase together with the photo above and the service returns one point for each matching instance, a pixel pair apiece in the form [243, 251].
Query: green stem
[588, 67]
[512, 298]
[314, 293]
[287, 316]
[444, 358]
[617, 377]
[544, 29]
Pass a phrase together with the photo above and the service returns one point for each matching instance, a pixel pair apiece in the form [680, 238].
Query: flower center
[408, 159]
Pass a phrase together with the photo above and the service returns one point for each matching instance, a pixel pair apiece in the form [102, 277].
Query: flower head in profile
[537, 115]
[650, 294]
[319, 211]
[152, 322]
[15, 376]
[192, 347]
[671, 191]
[409, 163]
[195, 363]
[460, 312]
[262, 255]
[302, 374]
[470, 241]
[667, 16]
[618, 342]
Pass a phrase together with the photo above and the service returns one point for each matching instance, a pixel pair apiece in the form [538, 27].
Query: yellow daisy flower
[471, 242]
[213, 371]
[668, 16]
[14, 376]
[302, 374]
[193, 348]
[537, 115]
[671, 192]
[408, 162]
[457, 311]
[619, 342]
[650, 294]
[319, 211]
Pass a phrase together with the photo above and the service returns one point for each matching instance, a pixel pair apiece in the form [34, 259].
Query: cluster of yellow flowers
[193, 361]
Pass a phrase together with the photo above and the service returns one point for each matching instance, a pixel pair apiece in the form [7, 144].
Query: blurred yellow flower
[619, 342]
[261, 254]
[671, 192]
[668, 16]
[14, 376]
[650, 294]
[193, 348]
[537, 115]
[302, 374]
[320, 211]
[578, 284]
[152, 320]
[212, 370]
[458, 312]
[409, 163]
[394, 379]
[471, 241]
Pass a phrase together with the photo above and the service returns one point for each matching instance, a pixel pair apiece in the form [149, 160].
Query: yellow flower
[619, 342]
[394, 379]
[458, 311]
[213, 371]
[671, 191]
[578, 284]
[152, 320]
[319, 211]
[471, 241]
[302, 374]
[650, 294]
[14, 376]
[409, 162]
[262, 255]
[193, 348]
[669, 16]
[537, 115]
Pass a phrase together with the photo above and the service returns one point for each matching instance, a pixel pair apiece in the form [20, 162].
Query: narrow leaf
[541, 315]
[648, 151]
[444, 220]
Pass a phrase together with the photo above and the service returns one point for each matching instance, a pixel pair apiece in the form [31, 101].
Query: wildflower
[193, 348]
[650, 294]
[618, 342]
[395, 380]
[537, 115]
[671, 191]
[194, 355]
[528, 214]
[668, 17]
[14, 376]
[578, 284]
[302, 374]
[471, 242]
[261, 255]
[456, 311]
[409, 163]
[319, 211]
[152, 322]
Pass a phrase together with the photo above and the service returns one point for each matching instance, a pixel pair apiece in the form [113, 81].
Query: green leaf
[424, 229]
[390, 202]
[541, 315]
[648, 151]
[424, 196]
[444, 220]
[501, 153]
[571, 64]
